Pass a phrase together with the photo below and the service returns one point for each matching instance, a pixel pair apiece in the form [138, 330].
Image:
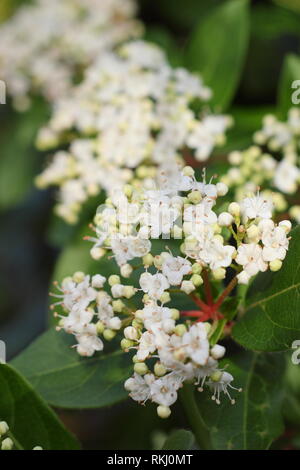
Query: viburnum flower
[171, 347]
[272, 164]
[130, 119]
[49, 57]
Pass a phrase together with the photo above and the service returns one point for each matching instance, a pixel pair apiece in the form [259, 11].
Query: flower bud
[253, 232]
[3, 428]
[129, 291]
[113, 280]
[148, 260]
[225, 219]
[118, 306]
[140, 368]
[165, 298]
[286, 225]
[128, 189]
[175, 314]
[7, 444]
[217, 351]
[78, 277]
[234, 209]
[180, 330]
[109, 334]
[219, 274]
[197, 280]
[97, 252]
[131, 333]
[163, 411]
[37, 448]
[139, 314]
[196, 268]
[159, 369]
[195, 197]
[117, 290]
[126, 344]
[275, 265]
[115, 323]
[188, 171]
[222, 189]
[126, 270]
[100, 327]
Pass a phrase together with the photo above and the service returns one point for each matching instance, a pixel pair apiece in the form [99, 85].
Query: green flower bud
[196, 268]
[109, 334]
[140, 368]
[163, 411]
[197, 280]
[159, 369]
[180, 330]
[114, 279]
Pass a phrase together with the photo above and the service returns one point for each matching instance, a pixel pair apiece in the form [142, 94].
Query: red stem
[200, 303]
[226, 292]
[207, 288]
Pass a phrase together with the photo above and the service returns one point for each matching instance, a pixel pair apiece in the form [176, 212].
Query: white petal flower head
[222, 385]
[256, 206]
[146, 346]
[98, 281]
[164, 390]
[250, 257]
[174, 268]
[139, 387]
[276, 244]
[154, 284]
[196, 343]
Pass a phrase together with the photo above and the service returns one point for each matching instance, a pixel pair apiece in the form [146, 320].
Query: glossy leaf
[30, 420]
[255, 420]
[218, 47]
[66, 380]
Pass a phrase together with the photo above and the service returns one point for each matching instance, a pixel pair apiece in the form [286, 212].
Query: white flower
[98, 281]
[154, 284]
[146, 346]
[196, 343]
[164, 390]
[222, 385]
[286, 177]
[216, 254]
[256, 206]
[88, 342]
[275, 244]
[250, 257]
[187, 287]
[139, 387]
[174, 268]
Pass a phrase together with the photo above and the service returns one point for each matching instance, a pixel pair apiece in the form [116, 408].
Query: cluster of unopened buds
[6, 443]
[132, 108]
[42, 53]
[171, 346]
[272, 164]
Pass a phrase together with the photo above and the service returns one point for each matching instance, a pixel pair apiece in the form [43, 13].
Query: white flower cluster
[84, 301]
[132, 108]
[272, 164]
[186, 210]
[6, 443]
[46, 45]
[169, 348]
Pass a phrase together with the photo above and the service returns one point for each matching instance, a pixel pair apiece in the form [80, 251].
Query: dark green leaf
[254, 421]
[290, 73]
[179, 440]
[218, 47]
[66, 380]
[30, 419]
[271, 320]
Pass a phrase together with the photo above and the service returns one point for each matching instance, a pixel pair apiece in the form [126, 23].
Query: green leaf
[218, 47]
[19, 160]
[290, 73]
[180, 440]
[66, 380]
[271, 319]
[255, 420]
[30, 420]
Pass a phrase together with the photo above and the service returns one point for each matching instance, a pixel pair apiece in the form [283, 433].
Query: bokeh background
[36, 247]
